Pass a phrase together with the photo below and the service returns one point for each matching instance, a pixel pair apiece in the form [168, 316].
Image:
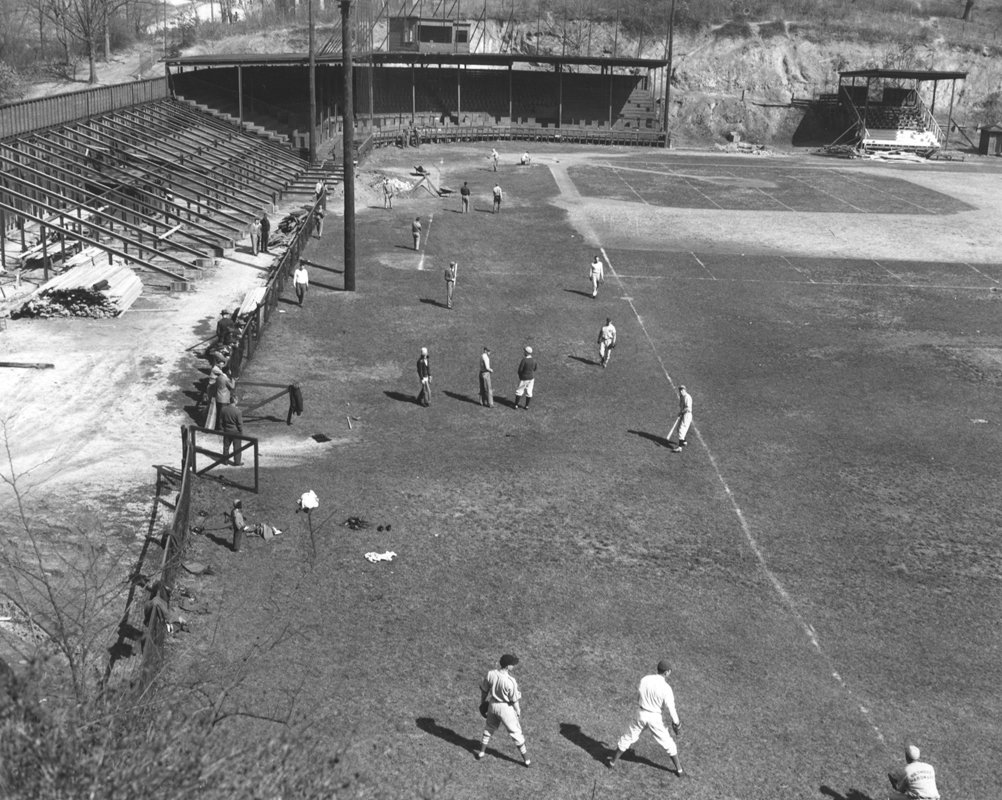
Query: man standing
[500, 690]
[606, 341]
[320, 193]
[917, 781]
[498, 197]
[486, 390]
[265, 230]
[494, 158]
[450, 281]
[239, 525]
[424, 375]
[224, 392]
[387, 194]
[684, 419]
[597, 274]
[416, 232]
[526, 378]
[231, 420]
[464, 195]
[319, 223]
[301, 281]
[654, 694]
[224, 327]
[255, 236]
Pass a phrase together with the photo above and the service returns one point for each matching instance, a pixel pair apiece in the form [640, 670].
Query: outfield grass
[820, 563]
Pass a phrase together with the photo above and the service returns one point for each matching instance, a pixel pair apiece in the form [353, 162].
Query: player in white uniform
[654, 694]
[917, 781]
[606, 341]
[597, 274]
[500, 690]
[684, 419]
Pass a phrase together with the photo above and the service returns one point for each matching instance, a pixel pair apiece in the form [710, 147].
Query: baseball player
[416, 232]
[500, 690]
[450, 282]
[424, 375]
[684, 419]
[387, 194]
[526, 378]
[493, 158]
[917, 781]
[597, 274]
[498, 197]
[655, 693]
[606, 341]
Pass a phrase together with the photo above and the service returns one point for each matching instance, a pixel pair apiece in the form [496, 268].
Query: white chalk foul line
[777, 585]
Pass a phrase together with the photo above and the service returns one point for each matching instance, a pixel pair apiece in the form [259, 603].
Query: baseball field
[821, 564]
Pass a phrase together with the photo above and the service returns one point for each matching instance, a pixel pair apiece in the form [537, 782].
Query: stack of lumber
[91, 290]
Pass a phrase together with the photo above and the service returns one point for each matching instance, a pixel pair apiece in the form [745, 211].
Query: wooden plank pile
[91, 290]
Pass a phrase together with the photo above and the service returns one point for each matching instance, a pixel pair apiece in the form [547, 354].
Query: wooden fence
[26, 116]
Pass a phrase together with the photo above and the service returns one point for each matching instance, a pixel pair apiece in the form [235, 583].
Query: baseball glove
[483, 709]
[677, 728]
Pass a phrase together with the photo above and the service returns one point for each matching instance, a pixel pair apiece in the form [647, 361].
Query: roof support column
[949, 118]
[511, 108]
[240, 94]
[459, 96]
[560, 96]
[610, 100]
[413, 95]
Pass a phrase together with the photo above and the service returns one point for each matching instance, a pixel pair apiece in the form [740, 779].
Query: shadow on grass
[592, 747]
[405, 247]
[403, 398]
[588, 361]
[852, 794]
[578, 291]
[465, 398]
[501, 401]
[658, 440]
[428, 725]
[289, 301]
[429, 302]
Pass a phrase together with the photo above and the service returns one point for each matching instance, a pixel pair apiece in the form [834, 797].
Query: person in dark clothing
[265, 230]
[231, 420]
[526, 378]
[224, 327]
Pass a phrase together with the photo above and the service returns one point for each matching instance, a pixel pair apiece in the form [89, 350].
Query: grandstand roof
[419, 59]
[905, 74]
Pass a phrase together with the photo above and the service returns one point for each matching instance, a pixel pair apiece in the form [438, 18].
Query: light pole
[671, 47]
[348, 148]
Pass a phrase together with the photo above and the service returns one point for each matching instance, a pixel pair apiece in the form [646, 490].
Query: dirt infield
[816, 563]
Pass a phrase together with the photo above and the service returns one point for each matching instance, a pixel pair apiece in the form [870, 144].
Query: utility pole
[668, 68]
[313, 91]
[348, 145]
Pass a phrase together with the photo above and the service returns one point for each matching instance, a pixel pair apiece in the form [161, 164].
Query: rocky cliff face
[743, 78]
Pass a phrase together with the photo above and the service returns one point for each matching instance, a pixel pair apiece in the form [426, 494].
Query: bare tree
[83, 22]
[968, 11]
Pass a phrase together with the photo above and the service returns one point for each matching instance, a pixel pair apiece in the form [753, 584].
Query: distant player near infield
[654, 694]
[916, 781]
[498, 197]
[683, 420]
[596, 273]
[606, 341]
[500, 690]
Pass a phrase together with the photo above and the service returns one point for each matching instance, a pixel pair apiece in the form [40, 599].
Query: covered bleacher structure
[128, 174]
[891, 110]
[445, 96]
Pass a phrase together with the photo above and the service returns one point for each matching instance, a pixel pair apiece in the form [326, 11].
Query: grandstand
[157, 185]
[886, 116]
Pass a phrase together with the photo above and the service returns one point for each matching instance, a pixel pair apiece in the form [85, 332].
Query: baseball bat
[672, 430]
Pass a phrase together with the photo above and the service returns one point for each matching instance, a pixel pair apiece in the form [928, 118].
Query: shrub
[12, 85]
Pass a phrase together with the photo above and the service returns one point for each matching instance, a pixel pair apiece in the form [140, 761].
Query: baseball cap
[528, 350]
[509, 660]
[912, 752]
[681, 388]
[424, 351]
[663, 665]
